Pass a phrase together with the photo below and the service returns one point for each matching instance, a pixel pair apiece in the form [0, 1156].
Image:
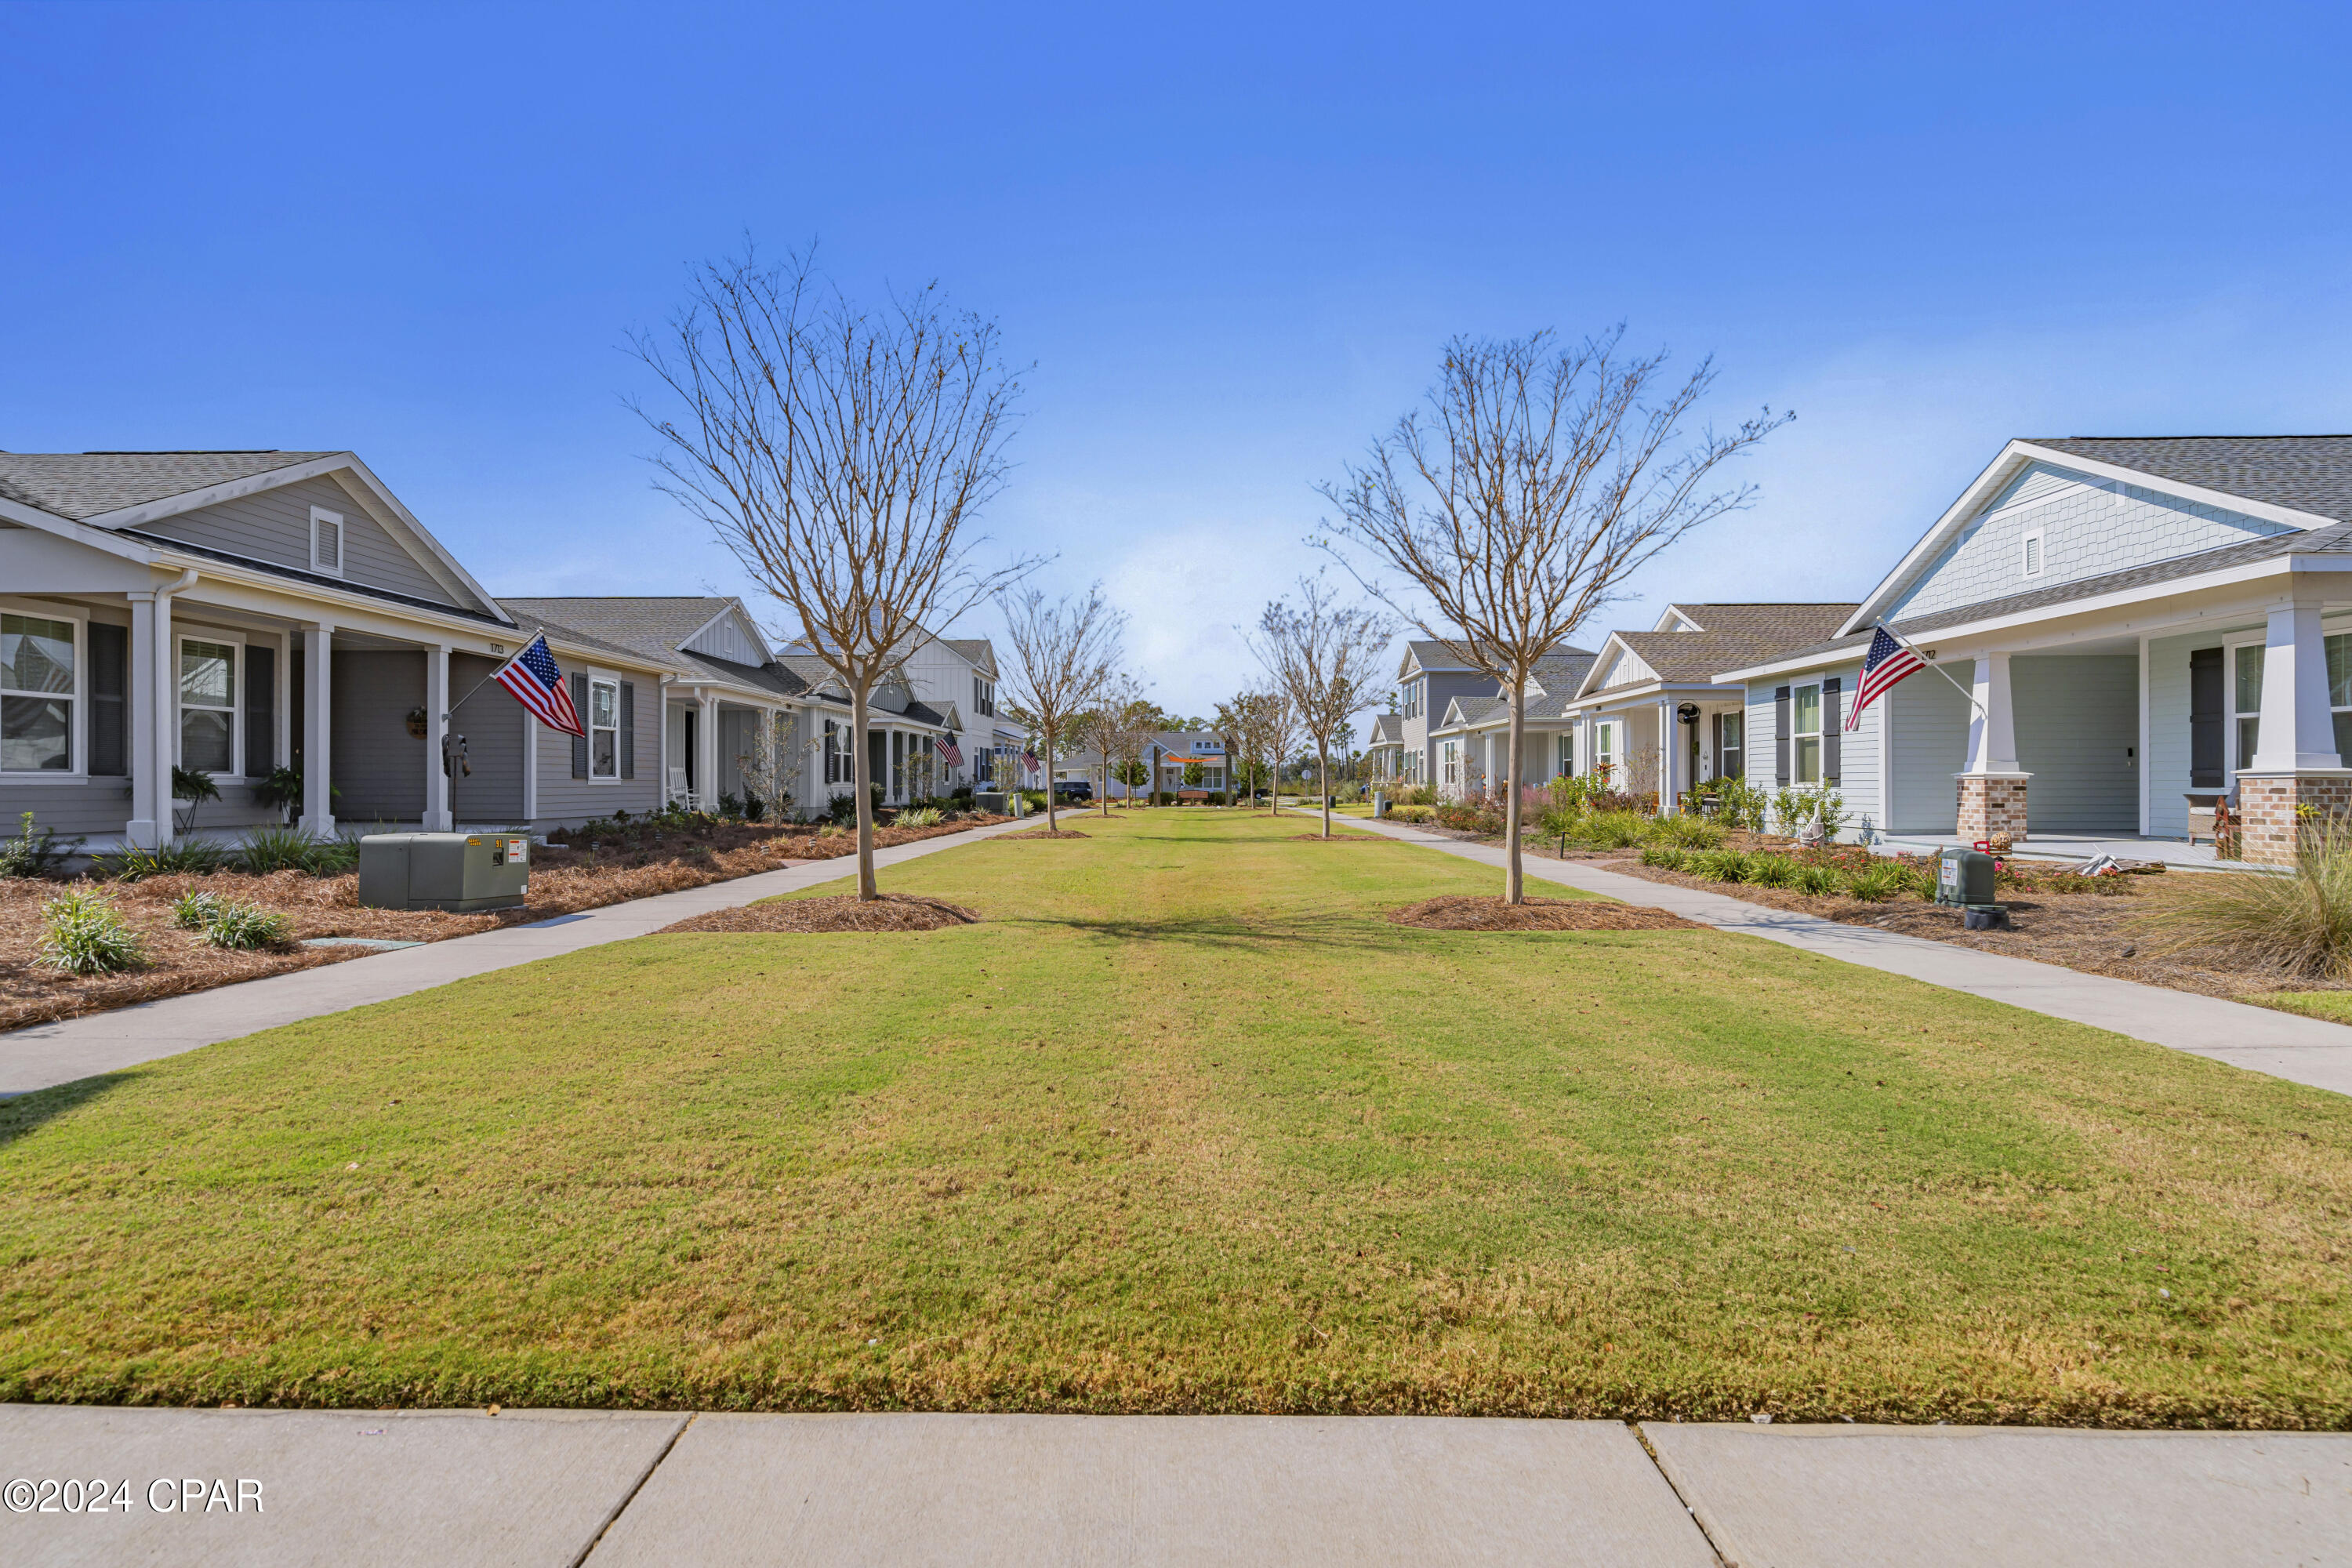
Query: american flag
[539, 685]
[1889, 662]
[1029, 758]
[949, 753]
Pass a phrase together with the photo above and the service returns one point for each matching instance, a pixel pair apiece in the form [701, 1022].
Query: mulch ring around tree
[1048, 833]
[892, 912]
[1537, 914]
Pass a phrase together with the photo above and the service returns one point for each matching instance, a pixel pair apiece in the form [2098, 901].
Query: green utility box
[1967, 880]
[459, 871]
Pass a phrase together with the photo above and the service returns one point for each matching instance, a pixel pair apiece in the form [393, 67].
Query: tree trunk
[1052, 823]
[861, 761]
[1323, 781]
[1514, 879]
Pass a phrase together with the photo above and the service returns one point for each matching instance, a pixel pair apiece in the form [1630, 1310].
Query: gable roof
[1436, 657]
[1753, 633]
[1388, 730]
[978, 651]
[79, 485]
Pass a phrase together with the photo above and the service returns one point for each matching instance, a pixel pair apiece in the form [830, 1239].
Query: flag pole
[1931, 664]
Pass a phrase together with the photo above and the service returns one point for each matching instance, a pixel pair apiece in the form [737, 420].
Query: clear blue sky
[1231, 240]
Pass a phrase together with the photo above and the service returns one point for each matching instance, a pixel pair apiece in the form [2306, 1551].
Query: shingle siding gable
[2090, 528]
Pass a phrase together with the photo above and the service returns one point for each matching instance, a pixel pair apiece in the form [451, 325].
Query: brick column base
[2270, 811]
[1991, 803]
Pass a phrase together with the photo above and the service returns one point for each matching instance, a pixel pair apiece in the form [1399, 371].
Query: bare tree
[1063, 654]
[1260, 723]
[1099, 725]
[1538, 480]
[841, 453]
[770, 764]
[1326, 658]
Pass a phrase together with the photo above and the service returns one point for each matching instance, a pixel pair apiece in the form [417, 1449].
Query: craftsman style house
[2128, 629]
[239, 612]
[1429, 676]
[1473, 738]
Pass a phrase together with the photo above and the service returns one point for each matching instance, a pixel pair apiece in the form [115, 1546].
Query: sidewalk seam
[1660, 1466]
[622, 1507]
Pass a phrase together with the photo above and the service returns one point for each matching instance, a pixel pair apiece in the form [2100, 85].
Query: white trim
[2141, 759]
[320, 516]
[2016, 455]
[2032, 556]
[588, 719]
[186, 630]
[77, 743]
[2231, 715]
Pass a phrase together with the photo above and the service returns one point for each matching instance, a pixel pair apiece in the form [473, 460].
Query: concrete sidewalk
[42, 1054]
[2285, 1045]
[614, 1490]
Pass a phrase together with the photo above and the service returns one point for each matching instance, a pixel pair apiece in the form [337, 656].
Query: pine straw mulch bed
[566, 877]
[2094, 932]
[842, 912]
[1463, 913]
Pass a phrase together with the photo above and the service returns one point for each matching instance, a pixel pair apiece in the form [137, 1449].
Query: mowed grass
[1188, 1126]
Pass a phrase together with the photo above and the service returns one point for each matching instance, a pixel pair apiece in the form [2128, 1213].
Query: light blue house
[2132, 628]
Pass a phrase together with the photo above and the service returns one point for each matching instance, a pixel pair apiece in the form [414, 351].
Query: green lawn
[2333, 1005]
[1188, 1126]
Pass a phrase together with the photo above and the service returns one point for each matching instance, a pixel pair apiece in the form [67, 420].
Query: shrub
[194, 911]
[85, 934]
[1771, 870]
[181, 856]
[34, 851]
[282, 789]
[243, 927]
[2299, 924]
[1814, 879]
[1919, 879]
[1792, 808]
[267, 850]
[842, 807]
[1876, 882]
[333, 856]
[1720, 865]
[1690, 832]
[1830, 811]
[1413, 812]
[918, 816]
[1668, 856]
[1614, 829]
[1465, 817]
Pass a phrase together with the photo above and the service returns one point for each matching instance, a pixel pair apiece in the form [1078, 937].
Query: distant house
[1167, 756]
[237, 613]
[1429, 676]
[1473, 738]
[1384, 747]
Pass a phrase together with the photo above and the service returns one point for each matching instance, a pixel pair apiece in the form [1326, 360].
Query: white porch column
[438, 817]
[529, 769]
[706, 746]
[1993, 728]
[661, 737]
[1669, 755]
[150, 782]
[317, 728]
[2298, 729]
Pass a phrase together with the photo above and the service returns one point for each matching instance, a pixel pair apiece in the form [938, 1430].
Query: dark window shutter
[579, 743]
[1830, 730]
[2208, 691]
[1715, 739]
[628, 730]
[1781, 735]
[110, 708]
[260, 710]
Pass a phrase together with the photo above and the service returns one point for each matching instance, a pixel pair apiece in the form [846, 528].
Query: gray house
[240, 613]
[1430, 676]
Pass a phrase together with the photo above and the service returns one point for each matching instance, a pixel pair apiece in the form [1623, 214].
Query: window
[2246, 697]
[1730, 753]
[326, 541]
[1604, 749]
[2339, 690]
[983, 696]
[604, 728]
[2030, 550]
[208, 706]
[1805, 733]
[1453, 763]
[1567, 753]
[37, 695]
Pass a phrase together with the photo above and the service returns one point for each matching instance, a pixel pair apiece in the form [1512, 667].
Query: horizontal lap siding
[492, 722]
[97, 806]
[564, 801]
[1857, 785]
[2077, 717]
[1930, 723]
[275, 526]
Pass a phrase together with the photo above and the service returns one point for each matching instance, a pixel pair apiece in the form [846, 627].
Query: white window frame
[1739, 717]
[79, 739]
[319, 514]
[595, 680]
[2032, 554]
[1797, 737]
[2232, 766]
[1604, 748]
[1564, 753]
[182, 635]
[2333, 707]
[1450, 758]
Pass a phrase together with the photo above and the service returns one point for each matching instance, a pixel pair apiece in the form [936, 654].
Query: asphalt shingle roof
[87, 484]
[1765, 632]
[2306, 473]
[980, 651]
[1437, 656]
[652, 628]
[1388, 730]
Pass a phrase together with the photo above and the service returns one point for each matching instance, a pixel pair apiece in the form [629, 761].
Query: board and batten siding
[376, 764]
[2089, 527]
[493, 723]
[2077, 718]
[1930, 719]
[727, 639]
[566, 802]
[273, 526]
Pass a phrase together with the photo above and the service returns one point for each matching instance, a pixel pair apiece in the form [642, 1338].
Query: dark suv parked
[1074, 789]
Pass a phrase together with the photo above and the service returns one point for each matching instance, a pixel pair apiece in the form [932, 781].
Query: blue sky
[1231, 240]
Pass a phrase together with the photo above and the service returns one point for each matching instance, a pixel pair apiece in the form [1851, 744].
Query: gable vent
[326, 542]
[2033, 555]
